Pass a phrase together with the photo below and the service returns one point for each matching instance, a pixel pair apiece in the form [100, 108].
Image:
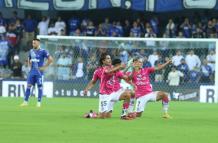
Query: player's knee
[165, 98]
[132, 94]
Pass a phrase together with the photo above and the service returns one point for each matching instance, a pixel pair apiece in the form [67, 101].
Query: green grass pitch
[59, 120]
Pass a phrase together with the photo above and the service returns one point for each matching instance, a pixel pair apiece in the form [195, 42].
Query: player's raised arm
[162, 66]
[114, 69]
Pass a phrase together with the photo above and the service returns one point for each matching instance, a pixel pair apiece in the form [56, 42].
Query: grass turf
[60, 121]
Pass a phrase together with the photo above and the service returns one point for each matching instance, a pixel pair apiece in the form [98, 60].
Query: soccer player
[110, 89]
[97, 76]
[143, 87]
[36, 61]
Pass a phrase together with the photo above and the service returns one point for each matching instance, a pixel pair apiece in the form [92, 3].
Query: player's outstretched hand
[122, 66]
[85, 92]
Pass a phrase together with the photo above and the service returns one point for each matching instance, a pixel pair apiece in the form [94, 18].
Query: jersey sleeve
[119, 74]
[95, 76]
[150, 69]
[46, 54]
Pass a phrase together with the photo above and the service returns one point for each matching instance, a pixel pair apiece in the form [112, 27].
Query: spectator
[194, 75]
[90, 30]
[180, 35]
[192, 60]
[106, 25]
[124, 55]
[52, 30]
[2, 30]
[186, 28]
[154, 25]
[14, 18]
[126, 28]
[176, 59]
[63, 67]
[16, 68]
[29, 26]
[60, 25]
[119, 29]
[210, 29]
[159, 74]
[73, 24]
[183, 67]
[153, 58]
[91, 66]
[146, 63]
[211, 58]
[100, 31]
[206, 71]
[135, 31]
[2, 20]
[198, 33]
[171, 29]
[43, 26]
[80, 68]
[12, 39]
[174, 79]
[25, 69]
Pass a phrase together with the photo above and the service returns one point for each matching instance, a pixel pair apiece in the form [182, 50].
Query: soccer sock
[131, 105]
[40, 93]
[165, 103]
[125, 108]
[27, 94]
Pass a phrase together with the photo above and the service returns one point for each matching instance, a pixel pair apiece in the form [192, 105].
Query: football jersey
[110, 82]
[142, 81]
[37, 58]
[97, 74]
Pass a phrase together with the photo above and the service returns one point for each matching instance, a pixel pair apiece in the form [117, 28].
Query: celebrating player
[97, 76]
[110, 88]
[143, 88]
[36, 61]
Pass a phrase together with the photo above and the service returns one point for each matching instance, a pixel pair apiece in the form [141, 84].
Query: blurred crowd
[78, 62]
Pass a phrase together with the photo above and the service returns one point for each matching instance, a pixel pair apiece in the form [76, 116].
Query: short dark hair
[116, 61]
[102, 58]
[36, 39]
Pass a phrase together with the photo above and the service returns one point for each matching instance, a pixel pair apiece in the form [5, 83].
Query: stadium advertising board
[207, 94]
[17, 89]
[72, 89]
[141, 5]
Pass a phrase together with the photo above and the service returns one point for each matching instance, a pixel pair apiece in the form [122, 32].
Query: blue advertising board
[140, 5]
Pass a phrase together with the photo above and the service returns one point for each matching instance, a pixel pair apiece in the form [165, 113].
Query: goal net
[191, 74]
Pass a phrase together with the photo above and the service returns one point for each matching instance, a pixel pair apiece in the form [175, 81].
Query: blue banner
[140, 5]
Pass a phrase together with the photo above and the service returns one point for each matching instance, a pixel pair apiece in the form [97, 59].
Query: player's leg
[140, 105]
[110, 109]
[104, 101]
[40, 89]
[30, 82]
[129, 87]
[125, 96]
[160, 95]
[131, 102]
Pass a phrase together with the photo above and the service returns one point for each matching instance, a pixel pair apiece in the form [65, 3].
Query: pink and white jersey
[142, 81]
[110, 82]
[97, 74]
